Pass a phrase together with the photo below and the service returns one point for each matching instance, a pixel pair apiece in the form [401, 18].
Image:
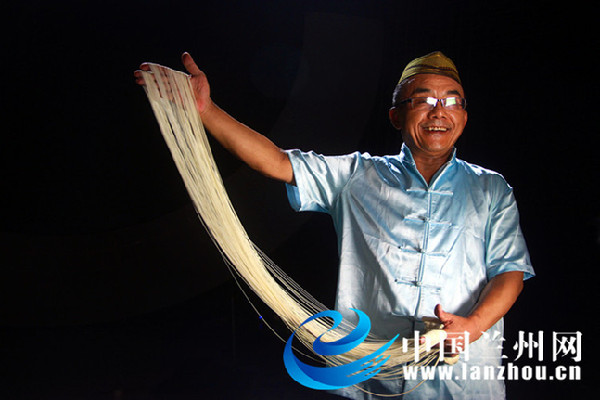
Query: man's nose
[439, 111]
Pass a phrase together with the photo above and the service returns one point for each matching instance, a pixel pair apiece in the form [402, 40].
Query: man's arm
[254, 149]
[496, 298]
[248, 145]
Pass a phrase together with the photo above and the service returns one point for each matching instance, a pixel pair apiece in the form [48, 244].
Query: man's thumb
[443, 316]
[189, 64]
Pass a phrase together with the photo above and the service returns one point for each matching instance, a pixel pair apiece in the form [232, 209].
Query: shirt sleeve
[319, 179]
[506, 248]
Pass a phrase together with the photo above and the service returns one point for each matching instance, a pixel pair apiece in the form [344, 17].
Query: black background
[110, 288]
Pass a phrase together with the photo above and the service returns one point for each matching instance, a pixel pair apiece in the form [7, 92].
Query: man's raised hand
[199, 83]
[198, 79]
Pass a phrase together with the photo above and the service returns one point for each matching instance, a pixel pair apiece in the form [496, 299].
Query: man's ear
[396, 118]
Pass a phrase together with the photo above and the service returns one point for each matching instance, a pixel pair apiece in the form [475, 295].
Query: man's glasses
[429, 103]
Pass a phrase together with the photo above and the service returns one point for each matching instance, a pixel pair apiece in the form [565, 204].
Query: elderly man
[419, 233]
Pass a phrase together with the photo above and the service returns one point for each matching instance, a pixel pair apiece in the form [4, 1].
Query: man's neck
[428, 165]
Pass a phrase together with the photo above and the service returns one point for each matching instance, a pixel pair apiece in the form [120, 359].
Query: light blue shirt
[406, 246]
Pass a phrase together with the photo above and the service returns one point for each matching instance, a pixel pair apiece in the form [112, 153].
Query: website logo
[336, 377]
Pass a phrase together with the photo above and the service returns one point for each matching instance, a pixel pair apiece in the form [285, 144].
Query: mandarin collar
[407, 157]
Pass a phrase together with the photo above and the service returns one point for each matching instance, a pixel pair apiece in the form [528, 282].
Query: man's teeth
[436, 129]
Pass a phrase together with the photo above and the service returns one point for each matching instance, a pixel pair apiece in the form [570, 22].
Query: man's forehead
[434, 84]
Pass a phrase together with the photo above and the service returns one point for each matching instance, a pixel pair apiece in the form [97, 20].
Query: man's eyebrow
[420, 90]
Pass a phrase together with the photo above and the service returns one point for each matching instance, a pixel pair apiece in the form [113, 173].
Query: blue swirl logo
[336, 377]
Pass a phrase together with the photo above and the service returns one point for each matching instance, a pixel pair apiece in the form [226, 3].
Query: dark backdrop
[109, 286]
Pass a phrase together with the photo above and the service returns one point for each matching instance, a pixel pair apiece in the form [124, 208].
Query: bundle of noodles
[172, 100]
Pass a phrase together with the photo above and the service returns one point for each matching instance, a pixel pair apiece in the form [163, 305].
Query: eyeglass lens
[450, 103]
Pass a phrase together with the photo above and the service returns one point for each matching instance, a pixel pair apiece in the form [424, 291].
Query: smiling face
[429, 133]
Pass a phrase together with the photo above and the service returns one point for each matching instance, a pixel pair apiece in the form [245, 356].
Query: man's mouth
[436, 128]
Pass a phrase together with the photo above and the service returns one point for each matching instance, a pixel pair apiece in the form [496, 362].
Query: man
[419, 233]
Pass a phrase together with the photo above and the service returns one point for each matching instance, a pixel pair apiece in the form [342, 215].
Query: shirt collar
[407, 157]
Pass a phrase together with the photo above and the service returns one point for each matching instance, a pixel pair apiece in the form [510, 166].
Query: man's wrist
[477, 327]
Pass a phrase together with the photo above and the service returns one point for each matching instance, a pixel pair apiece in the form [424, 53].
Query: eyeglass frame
[461, 100]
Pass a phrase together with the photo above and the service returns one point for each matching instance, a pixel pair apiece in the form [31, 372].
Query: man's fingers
[143, 72]
[189, 64]
[139, 77]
